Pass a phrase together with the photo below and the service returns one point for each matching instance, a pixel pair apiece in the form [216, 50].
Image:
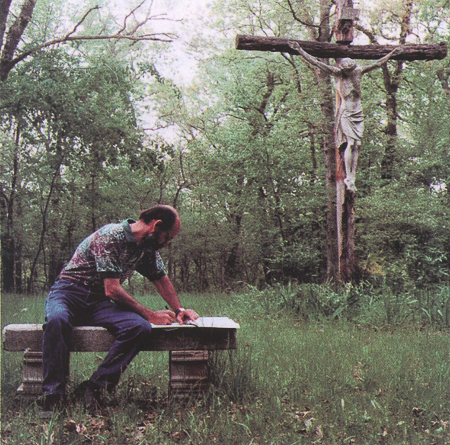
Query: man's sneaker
[91, 396]
[50, 404]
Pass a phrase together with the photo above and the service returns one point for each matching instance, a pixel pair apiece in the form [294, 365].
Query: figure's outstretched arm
[312, 60]
[382, 61]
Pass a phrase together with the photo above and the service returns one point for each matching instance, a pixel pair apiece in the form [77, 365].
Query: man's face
[161, 238]
[153, 241]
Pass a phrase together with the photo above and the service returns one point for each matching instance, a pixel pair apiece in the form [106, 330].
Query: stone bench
[189, 347]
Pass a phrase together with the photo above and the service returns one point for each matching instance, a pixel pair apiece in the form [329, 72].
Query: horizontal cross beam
[334, 51]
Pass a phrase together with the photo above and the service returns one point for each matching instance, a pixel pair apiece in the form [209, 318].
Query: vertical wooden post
[345, 199]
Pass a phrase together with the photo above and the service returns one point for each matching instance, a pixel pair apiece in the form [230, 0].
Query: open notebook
[206, 322]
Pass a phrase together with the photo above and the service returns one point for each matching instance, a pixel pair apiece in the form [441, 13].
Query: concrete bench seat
[189, 347]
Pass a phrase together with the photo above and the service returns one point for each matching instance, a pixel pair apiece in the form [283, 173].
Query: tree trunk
[9, 246]
[392, 84]
[390, 153]
[44, 230]
[232, 260]
[7, 260]
[14, 35]
[4, 12]
[18, 243]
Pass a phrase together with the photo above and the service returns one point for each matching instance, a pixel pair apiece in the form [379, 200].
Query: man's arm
[115, 291]
[313, 61]
[382, 61]
[165, 288]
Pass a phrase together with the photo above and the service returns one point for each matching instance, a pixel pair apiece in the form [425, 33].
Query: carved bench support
[189, 374]
[31, 385]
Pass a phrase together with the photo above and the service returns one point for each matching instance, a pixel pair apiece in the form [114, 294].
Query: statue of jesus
[349, 125]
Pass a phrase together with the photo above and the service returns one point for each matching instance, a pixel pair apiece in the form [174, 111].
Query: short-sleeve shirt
[112, 252]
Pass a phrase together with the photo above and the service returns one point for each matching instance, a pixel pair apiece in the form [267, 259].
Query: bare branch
[298, 19]
[125, 20]
[82, 20]
[133, 34]
[291, 62]
[159, 37]
[367, 33]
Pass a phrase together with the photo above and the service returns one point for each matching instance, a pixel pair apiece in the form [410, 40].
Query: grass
[296, 378]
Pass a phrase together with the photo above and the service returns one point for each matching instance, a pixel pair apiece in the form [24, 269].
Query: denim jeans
[72, 304]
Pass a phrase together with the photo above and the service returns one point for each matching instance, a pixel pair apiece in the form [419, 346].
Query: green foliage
[381, 305]
[73, 123]
[290, 381]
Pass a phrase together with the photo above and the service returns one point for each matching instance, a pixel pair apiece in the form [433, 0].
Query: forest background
[106, 110]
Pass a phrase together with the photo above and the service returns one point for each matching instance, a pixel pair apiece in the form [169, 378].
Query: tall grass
[377, 306]
[313, 365]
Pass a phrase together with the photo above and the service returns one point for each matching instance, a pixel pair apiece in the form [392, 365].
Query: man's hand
[186, 315]
[161, 317]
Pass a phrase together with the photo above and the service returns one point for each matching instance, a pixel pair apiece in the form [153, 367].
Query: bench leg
[32, 374]
[32, 379]
[189, 374]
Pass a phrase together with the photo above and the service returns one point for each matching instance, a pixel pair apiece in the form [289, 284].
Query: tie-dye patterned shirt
[112, 252]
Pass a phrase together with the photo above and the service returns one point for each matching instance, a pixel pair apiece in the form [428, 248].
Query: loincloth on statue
[349, 124]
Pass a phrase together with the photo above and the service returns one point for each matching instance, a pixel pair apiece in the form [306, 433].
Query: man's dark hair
[166, 214]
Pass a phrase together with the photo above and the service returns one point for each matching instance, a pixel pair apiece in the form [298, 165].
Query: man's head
[164, 224]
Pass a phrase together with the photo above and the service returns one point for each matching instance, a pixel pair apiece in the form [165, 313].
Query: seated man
[89, 292]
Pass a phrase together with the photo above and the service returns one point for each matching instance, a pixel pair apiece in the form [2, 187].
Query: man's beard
[152, 241]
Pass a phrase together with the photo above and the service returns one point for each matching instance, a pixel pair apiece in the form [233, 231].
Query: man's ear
[154, 224]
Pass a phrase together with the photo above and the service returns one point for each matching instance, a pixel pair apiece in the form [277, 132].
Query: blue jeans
[72, 304]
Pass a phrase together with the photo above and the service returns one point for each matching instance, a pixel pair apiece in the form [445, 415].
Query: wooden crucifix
[349, 117]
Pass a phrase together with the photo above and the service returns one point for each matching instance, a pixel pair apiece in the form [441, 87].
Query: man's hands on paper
[161, 317]
[186, 316]
[167, 317]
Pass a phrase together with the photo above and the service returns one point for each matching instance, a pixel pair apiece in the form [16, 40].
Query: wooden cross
[334, 50]
[345, 197]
